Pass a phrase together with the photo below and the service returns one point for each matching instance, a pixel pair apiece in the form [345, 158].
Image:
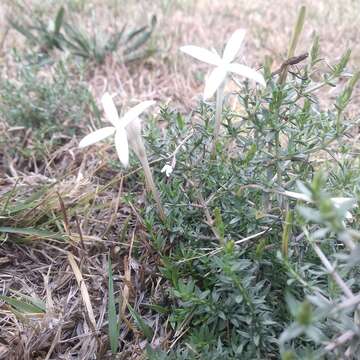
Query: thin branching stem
[330, 268]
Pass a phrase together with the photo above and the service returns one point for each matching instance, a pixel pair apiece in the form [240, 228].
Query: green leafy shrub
[52, 105]
[228, 255]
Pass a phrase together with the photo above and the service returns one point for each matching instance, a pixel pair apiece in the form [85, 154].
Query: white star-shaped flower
[121, 127]
[337, 201]
[167, 169]
[224, 64]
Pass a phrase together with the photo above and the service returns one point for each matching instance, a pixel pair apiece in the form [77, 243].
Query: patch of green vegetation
[47, 105]
[62, 34]
[230, 290]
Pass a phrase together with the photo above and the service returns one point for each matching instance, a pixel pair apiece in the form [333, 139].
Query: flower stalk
[137, 145]
[218, 117]
[150, 184]
[127, 133]
[224, 65]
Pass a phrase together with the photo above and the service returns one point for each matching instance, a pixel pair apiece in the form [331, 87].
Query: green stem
[338, 121]
[218, 116]
[269, 176]
[278, 167]
[298, 277]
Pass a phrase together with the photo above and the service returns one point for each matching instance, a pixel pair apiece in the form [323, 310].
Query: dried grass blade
[84, 292]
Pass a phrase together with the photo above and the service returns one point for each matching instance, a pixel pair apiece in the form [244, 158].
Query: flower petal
[168, 169]
[122, 146]
[339, 201]
[214, 80]
[110, 110]
[134, 112]
[247, 72]
[201, 54]
[296, 195]
[233, 45]
[96, 136]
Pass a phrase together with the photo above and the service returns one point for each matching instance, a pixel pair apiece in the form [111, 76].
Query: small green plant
[46, 104]
[43, 111]
[98, 46]
[39, 32]
[62, 34]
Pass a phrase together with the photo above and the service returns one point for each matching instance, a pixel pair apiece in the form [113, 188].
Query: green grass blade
[297, 31]
[141, 324]
[138, 38]
[22, 306]
[23, 30]
[294, 41]
[59, 20]
[39, 233]
[112, 317]
[32, 300]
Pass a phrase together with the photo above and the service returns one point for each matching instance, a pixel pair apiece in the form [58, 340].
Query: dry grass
[81, 195]
[171, 76]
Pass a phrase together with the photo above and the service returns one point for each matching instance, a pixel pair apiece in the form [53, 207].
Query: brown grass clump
[67, 272]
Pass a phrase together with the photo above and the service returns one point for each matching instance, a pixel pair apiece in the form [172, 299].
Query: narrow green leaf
[34, 301]
[294, 41]
[133, 34]
[22, 306]
[112, 317]
[180, 121]
[286, 234]
[292, 303]
[297, 31]
[141, 324]
[340, 66]
[344, 98]
[59, 20]
[139, 37]
[44, 234]
[315, 51]
[158, 308]
[219, 224]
